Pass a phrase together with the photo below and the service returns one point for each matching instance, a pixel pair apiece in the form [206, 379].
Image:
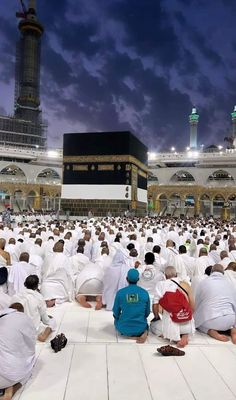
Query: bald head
[218, 268]
[12, 241]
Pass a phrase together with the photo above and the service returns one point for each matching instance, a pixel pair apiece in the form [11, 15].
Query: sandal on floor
[170, 351]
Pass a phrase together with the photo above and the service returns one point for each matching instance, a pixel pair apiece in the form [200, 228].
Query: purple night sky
[130, 64]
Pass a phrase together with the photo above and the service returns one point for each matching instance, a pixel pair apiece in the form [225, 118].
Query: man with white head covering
[112, 277]
[216, 306]
[18, 274]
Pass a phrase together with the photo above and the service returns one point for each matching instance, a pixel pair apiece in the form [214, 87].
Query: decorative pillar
[197, 206]
[211, 207]
[158, 206]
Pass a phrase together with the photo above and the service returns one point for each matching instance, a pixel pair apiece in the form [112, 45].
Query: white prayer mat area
[97, 364]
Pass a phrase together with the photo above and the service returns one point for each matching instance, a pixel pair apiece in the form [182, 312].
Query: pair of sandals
[170, 351]
[59, 342]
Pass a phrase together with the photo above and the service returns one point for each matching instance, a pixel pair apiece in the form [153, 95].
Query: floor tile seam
[185, 379]
[107, 374]
[145, 373]
[68, 375]
[42, 347]
[87, 330]
[221, 377]
[59, 326]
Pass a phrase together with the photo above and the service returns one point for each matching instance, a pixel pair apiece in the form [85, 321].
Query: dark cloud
[128, 64]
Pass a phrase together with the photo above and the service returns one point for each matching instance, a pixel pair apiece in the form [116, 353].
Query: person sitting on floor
[35, 307]
[17, 349]
[216, 306]
[131, 309]
[166, 326]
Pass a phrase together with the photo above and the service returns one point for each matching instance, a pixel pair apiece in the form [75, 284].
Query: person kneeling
[35, 307]
[176, 300]
[131, 309]
[17, 349]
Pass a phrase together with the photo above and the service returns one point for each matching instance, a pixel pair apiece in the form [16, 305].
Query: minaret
[27, 92]
[193, 121]
[233, 115]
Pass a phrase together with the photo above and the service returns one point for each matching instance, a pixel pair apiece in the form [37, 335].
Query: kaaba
[104, 173]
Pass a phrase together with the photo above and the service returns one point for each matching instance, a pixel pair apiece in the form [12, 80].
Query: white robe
[78, 262]
[231, 276]
[171, 330]
[17, 347]
[35, 307]
[114, 277]
[57, 279]
[5, 301]
[17, 276]
[92, 272]
[215, 297]
[201, 264]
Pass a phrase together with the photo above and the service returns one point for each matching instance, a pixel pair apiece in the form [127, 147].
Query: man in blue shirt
[131, 309]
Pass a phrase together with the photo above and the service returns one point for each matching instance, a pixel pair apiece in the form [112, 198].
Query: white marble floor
[99, 365]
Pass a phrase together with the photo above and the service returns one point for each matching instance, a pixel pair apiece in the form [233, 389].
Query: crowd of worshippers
[183, 271]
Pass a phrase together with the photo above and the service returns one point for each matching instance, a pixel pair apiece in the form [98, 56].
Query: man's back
[131, 309]
[17, 344]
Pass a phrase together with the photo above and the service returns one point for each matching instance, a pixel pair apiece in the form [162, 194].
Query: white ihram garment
[17, 276]
[170, 330]
[231, 276]
[113, 277]
[215, 297]
[17, 348]
[90, 280]
[201, 264]
[35, 307]
[57, 280]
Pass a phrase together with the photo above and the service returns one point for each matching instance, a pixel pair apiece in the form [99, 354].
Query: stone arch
[182, 177]
[13, 173]
[220, 177]
[48, 176]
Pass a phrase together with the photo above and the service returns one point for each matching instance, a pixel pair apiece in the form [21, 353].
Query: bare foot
[216, 335]
[98, 303]
[82, 301]
[9, 392]
[142, 338]
[233, 335]
[183, 341]
[44, 335]
[51, 303]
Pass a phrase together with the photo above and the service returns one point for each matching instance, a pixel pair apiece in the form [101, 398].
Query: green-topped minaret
[193, 121]
[233, 115]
